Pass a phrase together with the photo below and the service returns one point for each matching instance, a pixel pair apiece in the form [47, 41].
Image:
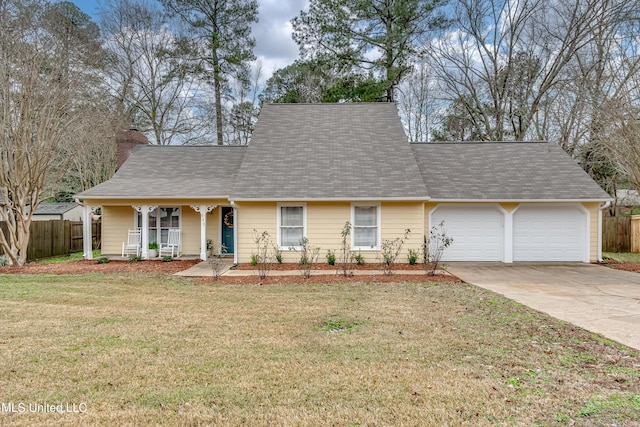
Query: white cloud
[274, 46]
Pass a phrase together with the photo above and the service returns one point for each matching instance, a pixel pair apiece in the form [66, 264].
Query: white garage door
[477, 231]
[543, 233]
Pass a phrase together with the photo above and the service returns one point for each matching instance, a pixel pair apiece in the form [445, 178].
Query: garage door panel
[544, 233]
[477, 232]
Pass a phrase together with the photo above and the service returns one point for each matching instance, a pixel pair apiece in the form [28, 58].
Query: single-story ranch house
[310, 168]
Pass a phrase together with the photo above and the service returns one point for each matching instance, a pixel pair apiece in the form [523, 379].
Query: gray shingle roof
[348, 152]
[503, 171]
[329, 151]
[55, 208]
[173, 172]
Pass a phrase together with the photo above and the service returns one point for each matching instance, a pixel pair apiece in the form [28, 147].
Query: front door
[227, 229]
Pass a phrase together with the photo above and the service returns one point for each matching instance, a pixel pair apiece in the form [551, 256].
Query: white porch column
[235, 232]
[203, 210]
[145, 210]
[87, 235]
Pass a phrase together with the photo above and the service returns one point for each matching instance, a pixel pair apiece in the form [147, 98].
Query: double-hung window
[160, 221]
[291, 225]
[365, 220]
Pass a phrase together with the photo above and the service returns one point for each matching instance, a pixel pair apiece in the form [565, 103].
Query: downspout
[235, 232]
[606, 205]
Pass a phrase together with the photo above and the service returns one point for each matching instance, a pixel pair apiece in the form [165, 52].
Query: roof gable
[329, 151]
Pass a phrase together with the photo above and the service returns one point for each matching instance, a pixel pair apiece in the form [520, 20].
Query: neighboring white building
[67, 211]
[628, 197]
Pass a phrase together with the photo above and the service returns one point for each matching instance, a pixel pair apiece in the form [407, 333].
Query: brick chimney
[126, 140]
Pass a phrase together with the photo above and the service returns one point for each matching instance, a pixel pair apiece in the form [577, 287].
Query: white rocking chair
[132, 245]
[172, 247]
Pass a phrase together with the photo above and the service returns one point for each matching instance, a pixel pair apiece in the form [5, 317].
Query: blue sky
[274, 46]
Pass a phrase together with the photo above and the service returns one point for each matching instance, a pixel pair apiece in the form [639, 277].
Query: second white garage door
[477, 231]
[543, 233]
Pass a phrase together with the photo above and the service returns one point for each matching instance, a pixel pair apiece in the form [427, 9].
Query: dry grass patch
[144, 349]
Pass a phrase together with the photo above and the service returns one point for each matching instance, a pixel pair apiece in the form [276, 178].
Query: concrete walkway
[203, 269]
[597, 298]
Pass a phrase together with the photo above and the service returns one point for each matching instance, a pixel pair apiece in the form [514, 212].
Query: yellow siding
[190, 235]
[594, 209]
[260, 216]
[116, 220]
[396, 218]
[325, 221]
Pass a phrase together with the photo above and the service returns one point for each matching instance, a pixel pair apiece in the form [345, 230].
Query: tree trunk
[217, 88]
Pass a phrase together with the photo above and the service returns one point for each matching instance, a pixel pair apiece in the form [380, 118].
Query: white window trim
[278, 222]
[378, 222]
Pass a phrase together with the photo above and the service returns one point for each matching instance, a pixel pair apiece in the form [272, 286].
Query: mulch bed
[324, 266]
[621, 265]
[326, 278]
[92, 266]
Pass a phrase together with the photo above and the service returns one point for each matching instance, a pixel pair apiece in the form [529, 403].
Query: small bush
[278, 254]
[167, 258]
[359, 259]
[217, 262]
[434, 247]
[135, 258]
[309, 255]
[103, 260]
[389, 251]
[331, 257]
[264, 252]
[154, 245]
[3, 261]
[254, 260]
[412, 257]
[346, 257]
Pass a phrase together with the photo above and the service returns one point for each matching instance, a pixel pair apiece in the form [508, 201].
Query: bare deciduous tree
[504, 60]
[621, 138]
[417, 103]
[46, 89]
[151, 77]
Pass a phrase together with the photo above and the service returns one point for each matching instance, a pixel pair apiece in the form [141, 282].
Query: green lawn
[149, 349]
[622, 256]
[76, 256]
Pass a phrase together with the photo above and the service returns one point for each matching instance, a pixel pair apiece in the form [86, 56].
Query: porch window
[160, 221]
[366, 227]
[291, 225]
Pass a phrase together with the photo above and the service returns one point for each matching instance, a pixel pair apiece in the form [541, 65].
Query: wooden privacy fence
[635, 233]
[57, 237]
[616, 234]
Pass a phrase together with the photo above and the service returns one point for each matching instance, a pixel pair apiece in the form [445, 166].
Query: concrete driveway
[594, 297]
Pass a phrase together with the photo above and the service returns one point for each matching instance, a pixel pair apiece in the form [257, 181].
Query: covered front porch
[202, 226]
